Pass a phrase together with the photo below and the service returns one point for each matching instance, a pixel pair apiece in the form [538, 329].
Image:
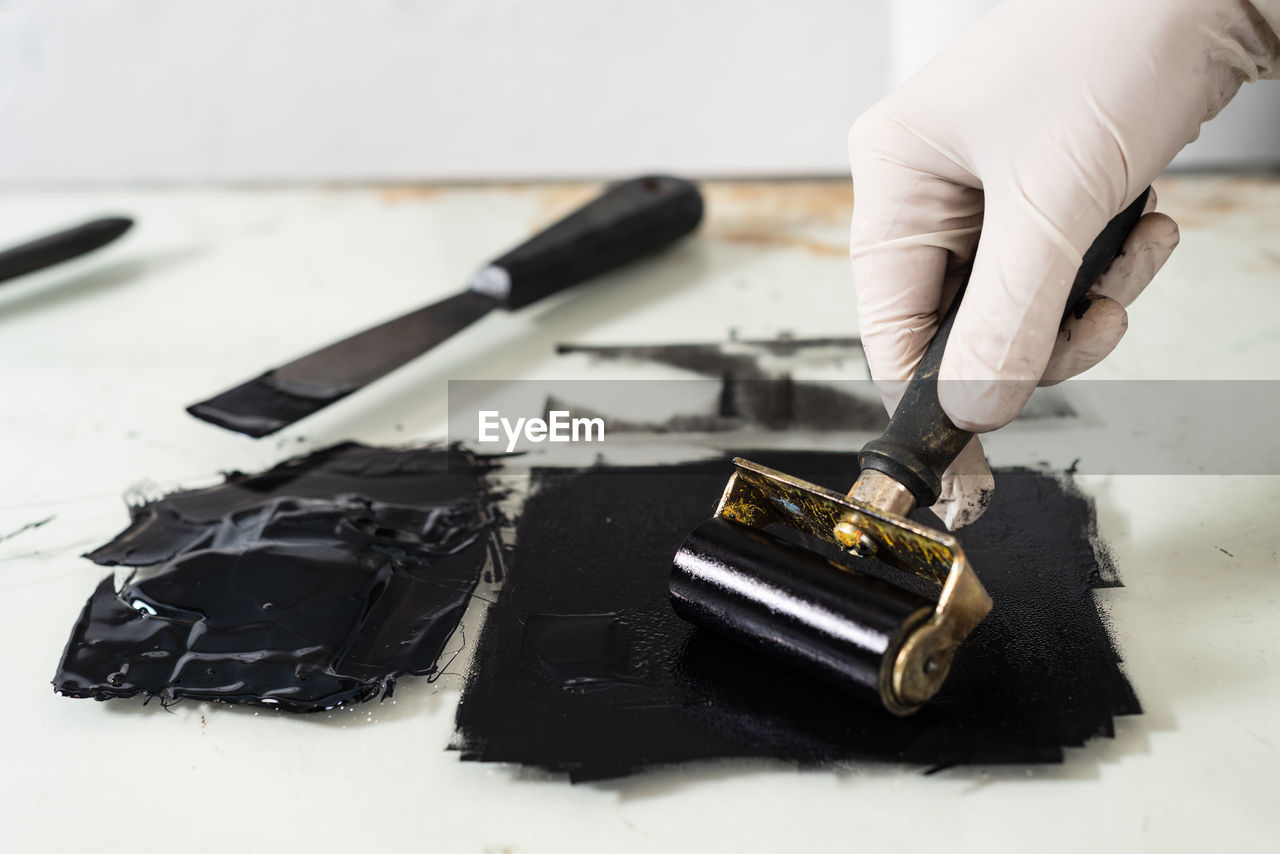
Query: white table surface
[99, 357]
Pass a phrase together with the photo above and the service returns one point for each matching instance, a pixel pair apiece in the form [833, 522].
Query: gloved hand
[1008, 154]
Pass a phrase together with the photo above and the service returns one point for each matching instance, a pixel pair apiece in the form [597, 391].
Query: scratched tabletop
[100, 356]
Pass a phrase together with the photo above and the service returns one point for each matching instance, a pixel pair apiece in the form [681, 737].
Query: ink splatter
[314, 584]
[621, 684]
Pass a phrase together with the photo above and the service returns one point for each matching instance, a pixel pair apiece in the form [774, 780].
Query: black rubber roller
[833, 622]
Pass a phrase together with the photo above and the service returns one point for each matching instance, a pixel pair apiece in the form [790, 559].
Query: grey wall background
[105, 91]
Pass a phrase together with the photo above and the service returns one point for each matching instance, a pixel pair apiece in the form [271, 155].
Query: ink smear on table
[783, 384]
[776, 383]
[583, 668]
[308, 586]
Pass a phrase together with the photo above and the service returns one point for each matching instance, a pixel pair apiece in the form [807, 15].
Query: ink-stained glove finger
[1095, 328]
[1086, 338]
[1032, 243]
[967, 487]
[1145, 251]
[967, 484]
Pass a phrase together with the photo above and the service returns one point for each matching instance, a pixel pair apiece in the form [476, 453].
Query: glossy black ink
[831, 621]
[582, 652]
[1038, 675]
[311, 585]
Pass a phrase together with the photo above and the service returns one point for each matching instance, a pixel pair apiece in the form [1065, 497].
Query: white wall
[289, 89]
[177, 90]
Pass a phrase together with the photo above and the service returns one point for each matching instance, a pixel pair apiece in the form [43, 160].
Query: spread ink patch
[583, 668]
[311, 585]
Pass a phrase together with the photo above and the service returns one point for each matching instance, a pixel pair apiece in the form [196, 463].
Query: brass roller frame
[873, 524]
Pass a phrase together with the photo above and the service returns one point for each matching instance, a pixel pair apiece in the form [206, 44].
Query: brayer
[857, 621]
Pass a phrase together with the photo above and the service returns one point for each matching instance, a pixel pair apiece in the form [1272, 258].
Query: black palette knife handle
[920, 441]
[631, 219]
[61, 246]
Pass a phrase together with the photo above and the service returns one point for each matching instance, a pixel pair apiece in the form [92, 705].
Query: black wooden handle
[920, 441]
[629, 220]
[61, 246]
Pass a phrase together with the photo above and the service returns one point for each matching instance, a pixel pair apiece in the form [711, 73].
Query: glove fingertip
[1161, 230]
[1086, 338]
[968, 501]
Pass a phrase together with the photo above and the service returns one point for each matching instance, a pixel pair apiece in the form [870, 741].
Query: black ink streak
[30, 526]
[311, 585]
[753, 392]
[583, 668]
[759, 387]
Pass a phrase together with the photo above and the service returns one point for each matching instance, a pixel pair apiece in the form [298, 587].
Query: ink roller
[852, 621]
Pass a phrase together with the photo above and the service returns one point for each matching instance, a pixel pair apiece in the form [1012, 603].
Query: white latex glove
[1032, 131]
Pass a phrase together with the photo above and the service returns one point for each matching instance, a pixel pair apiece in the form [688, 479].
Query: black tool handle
[920, 441]
[630, 219]
[61, 246]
